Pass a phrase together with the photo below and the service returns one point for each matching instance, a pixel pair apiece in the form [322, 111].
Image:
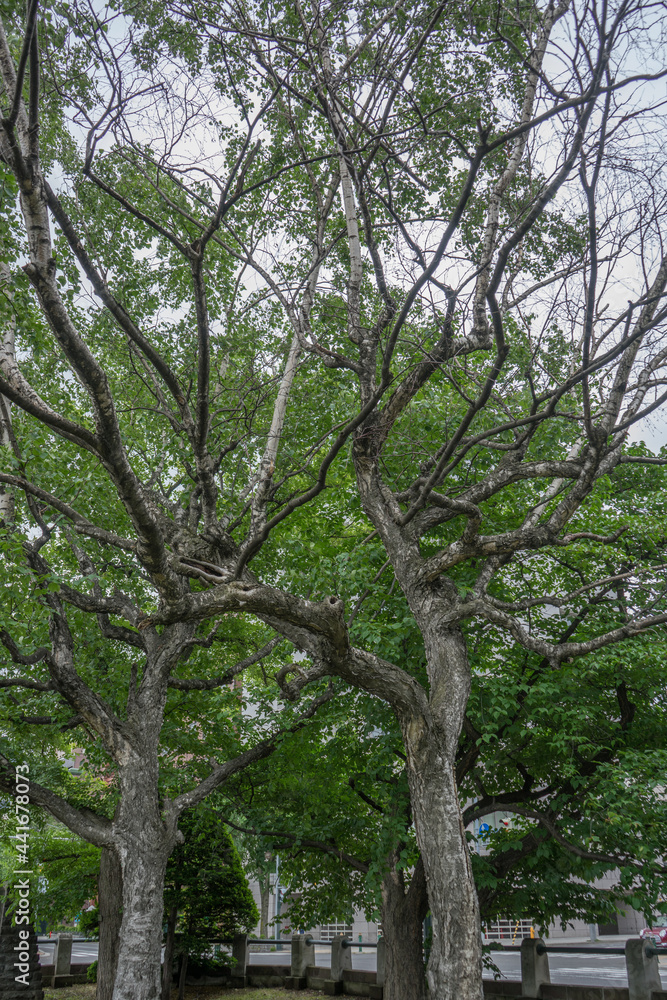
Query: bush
[89, 923]
[198, 967]
[91, 972]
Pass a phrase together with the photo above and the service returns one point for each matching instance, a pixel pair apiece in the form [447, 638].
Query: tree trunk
[167, 968]
[138, 972]
[110, 909]
[183, 975]
[455, 962]
[264, 896]
[431, 719]
[7, 333]
[403, 915]
[144, 843]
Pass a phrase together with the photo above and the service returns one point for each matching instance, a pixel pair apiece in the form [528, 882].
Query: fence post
[375, 990]
[62, 960]
[643, 972]
[341, 961]
[240, 956]
[55, 952]
[534, 966]
[381, 961]
[303, 955]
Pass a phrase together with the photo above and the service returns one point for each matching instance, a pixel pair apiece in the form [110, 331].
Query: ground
[191, 993]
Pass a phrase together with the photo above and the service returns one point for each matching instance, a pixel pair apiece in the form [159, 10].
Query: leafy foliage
[206, 883]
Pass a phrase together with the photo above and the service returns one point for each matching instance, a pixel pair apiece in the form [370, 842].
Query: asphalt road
[82, 952]
[577, 970]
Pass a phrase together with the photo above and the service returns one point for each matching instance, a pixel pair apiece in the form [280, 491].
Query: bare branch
[209, 683]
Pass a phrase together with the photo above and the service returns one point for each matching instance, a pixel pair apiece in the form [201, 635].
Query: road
[83, 952]
[577, 970]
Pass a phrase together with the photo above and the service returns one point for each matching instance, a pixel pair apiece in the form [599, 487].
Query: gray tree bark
[138, 974]
[431, 721]
[144, 841]
[455, 962]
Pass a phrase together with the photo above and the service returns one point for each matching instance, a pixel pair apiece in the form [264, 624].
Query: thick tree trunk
[403, 914]
[431, 719]
[431, 740]
[138, 972]
[455, 963]
[110, 908]
[143, 842]
[167, 965]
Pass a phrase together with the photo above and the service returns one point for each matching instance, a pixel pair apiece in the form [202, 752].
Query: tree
[574, 754]
[386, 238]
[576, 757]
[206, 887]
[334, 805]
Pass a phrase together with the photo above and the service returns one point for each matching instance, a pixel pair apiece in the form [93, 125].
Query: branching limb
[264, 748]
[556, 601]
[7, 682]
[548, 821]
[209, 683]
[17, 656]
[79, 522]
[19, 392]
[120, 314]
[318, 845]
[84, 822]
[555, 654]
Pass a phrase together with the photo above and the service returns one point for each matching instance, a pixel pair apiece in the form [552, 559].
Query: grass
[192, 993]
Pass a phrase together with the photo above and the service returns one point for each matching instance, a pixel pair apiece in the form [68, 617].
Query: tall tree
[261, 243]
[334, 805]
[206, 889]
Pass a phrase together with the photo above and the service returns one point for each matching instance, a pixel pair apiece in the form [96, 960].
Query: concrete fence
[340, 978]
[337, 978]
[641, 961]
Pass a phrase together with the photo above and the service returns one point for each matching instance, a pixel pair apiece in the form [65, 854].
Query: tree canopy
[297, 296]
